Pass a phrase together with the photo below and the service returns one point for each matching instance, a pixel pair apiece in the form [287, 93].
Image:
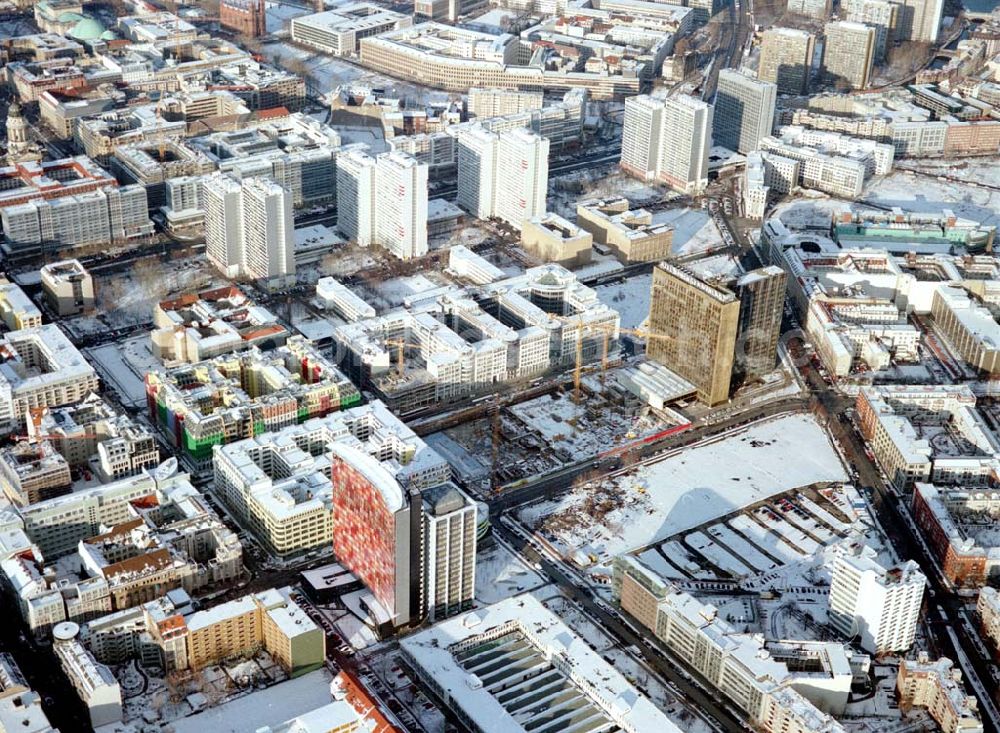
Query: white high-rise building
[449, 551]
[849, 53]
[919, 20]
[744, 111]
[383, 200]
[249, 230]
[641, 136]
[477, 160]
[882, 15]
[220, 197]
[503, 175]
[668, 140]
[687, 138]
[401, 205]
[879, 607]
[268, 232]
[522, 178]
[356, 195]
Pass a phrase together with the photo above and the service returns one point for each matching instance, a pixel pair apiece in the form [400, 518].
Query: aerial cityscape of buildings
[488, 366]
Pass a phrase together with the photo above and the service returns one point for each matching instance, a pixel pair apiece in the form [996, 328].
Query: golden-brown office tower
[762, 300]
[695, 324]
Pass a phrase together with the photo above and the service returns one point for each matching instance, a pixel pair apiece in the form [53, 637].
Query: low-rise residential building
[16, 309]
[630, 233]
[929, 433]
[951, 520]
[239, 395]
[474, 268]
[199, 326]
[988, 608]
[165, 540]
[91, 435]
[830, 162]
[40, 367]
[756, 677]
[94, 682]
[31, 472]
[937, 687]
[342, 301]
[68, 287]
[168, 633]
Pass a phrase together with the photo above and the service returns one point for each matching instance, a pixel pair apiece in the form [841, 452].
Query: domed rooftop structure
[87, 29]
[69, 17]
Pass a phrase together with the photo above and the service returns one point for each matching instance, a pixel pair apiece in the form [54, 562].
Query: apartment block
[198, 326]
[91, 435]
[239, 395]
[40, 368]
[450, 533]
[897, 421]
[456, 344]
[937, 686]
[919, 20]
[94, 682]
[667, 140]
[970, 327]
[85, 207]
[811, 8]
[786, 58]
[878, 606]
[551, 238]
[499, 102]
[287, 504]
[503, 175]
[16, 309]
[744, 111]
[68, 287]
[790, 687]
[151, 163]
[951, 521]
[167, 539]
[849, 54]
[882, 15]
[988, 608]
[629, 233]
[383, 200]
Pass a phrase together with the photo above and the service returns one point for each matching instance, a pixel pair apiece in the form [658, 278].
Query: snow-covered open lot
[630, 298]
[688, 488]
[501, 574]
[694, 230]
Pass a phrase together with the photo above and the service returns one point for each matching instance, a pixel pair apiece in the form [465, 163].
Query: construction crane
[607, 331]
[400, 345]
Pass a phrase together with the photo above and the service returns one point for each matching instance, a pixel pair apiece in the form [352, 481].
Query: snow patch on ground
[630, 298]
[689, 488]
